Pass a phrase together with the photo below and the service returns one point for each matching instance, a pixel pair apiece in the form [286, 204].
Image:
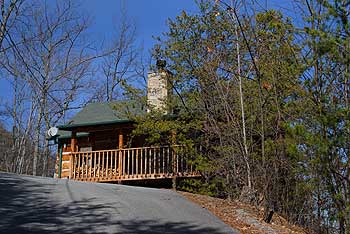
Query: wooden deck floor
[136, 177]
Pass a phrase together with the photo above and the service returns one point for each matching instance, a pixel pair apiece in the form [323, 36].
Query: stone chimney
[157, 91]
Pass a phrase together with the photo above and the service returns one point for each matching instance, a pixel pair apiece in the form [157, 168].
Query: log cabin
[96, 144]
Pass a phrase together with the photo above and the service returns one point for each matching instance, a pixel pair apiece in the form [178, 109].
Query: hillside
[245, 218]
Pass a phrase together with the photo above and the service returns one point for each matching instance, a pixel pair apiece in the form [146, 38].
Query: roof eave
[71, 126]
[59, 137]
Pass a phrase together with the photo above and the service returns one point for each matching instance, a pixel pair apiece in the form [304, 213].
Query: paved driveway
[44, 205]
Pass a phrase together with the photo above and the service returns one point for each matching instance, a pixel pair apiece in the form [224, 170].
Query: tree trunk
[36, 144]
[45, 158]
[246, 155]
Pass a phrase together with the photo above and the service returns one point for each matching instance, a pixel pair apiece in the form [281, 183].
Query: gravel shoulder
[45, 205]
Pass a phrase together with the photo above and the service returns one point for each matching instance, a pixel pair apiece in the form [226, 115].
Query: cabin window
[85, 149]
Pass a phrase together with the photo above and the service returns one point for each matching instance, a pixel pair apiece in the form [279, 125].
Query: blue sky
[149, 16]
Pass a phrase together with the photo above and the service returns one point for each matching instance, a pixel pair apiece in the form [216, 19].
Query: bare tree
[119, 65]
[56, 57]
[12, 15]
[11, 10]
[48, 60]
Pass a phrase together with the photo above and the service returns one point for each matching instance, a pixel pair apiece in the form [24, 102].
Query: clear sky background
[149, 16]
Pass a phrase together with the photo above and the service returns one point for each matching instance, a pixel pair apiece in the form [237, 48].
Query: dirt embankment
[245, 218]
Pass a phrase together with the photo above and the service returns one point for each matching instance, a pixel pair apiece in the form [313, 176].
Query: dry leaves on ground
[243, 217]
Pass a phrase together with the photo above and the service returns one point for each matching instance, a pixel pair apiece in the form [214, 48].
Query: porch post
[73, 142]
[73, 145]
[60, 146]
[120, 147]
[174, 159]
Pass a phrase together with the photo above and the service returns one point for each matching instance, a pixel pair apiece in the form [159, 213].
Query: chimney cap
[161, 64]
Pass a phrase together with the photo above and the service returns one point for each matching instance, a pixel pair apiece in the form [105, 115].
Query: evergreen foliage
[294, 118]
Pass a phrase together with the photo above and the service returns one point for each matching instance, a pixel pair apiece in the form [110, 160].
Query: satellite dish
[52, 131]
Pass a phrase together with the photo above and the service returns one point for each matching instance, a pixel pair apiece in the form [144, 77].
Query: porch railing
[132, 163]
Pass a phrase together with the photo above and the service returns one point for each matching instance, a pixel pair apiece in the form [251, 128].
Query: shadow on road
[28, 207]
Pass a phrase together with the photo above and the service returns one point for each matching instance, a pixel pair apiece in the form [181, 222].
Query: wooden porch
[131, 164]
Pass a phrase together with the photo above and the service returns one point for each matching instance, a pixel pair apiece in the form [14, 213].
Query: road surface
[44, 205]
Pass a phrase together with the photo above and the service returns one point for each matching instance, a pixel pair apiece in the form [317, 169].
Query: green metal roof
[105, 113]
